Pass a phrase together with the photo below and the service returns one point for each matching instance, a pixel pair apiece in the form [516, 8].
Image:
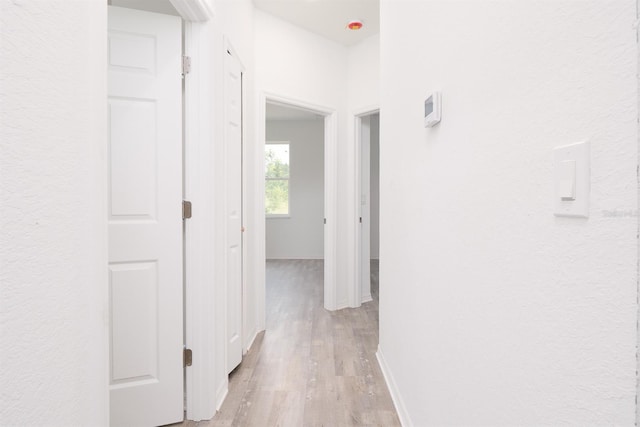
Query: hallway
[311, 367]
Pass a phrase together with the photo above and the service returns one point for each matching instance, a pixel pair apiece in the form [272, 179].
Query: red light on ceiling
[354, 25]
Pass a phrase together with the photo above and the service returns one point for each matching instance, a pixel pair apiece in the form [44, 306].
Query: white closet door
[145, 218]
[233, 176]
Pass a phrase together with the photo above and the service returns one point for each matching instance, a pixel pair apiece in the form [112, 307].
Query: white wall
[299, 64]
[513, 316]
[363, 76]
[374, 186]
[53, 277]
[638, 215]
[300, 235]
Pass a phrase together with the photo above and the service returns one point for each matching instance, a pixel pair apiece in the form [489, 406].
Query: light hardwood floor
[311, 367]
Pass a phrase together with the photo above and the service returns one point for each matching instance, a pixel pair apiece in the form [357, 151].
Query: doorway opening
[311, 204]
[367, 126]
[294, 193]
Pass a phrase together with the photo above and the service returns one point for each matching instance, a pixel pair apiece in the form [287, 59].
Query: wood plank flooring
[311, 367]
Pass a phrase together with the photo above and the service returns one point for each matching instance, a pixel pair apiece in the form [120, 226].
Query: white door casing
[145, 218]
[365, 209]
[361, 291]
[233, 207]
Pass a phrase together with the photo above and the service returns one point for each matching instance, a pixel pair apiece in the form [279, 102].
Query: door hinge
[186, 65]
[186, 209]
[360, 220]
[325, 220]
[187, 357]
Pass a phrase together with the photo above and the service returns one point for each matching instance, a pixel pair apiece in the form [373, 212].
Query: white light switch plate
[571, 170]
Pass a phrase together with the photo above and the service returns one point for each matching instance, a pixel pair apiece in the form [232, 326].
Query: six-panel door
[145, 219]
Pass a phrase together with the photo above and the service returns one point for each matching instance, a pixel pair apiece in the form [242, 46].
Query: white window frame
[288, 179]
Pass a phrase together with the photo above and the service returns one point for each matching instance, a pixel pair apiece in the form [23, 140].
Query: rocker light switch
[571, 164]
[567, 183]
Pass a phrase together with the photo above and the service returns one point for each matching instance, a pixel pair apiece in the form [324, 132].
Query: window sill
[278, 216]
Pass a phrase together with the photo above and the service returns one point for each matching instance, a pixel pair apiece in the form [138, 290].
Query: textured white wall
[637, 213]
[512, 316]
[53, 276]
[301, 235]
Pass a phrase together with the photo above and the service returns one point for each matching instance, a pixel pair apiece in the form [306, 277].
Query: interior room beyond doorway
[294, 183]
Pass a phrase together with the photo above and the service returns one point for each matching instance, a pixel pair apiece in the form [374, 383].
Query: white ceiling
[328, 18]
[281, 112]
[157, 6]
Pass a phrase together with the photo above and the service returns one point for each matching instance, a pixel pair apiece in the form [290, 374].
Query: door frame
[356, 290]
[330, 195]
[202, 395]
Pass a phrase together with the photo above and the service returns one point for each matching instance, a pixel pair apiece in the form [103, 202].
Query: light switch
[568, 180]
[571, 175]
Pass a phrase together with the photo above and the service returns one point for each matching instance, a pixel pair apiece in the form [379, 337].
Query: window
[276, 178]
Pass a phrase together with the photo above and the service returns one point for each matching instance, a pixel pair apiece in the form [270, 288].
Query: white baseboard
[252, 340]
[342, 305]
[366, 298]
[221, 394]
[277, 258]
[405, 420]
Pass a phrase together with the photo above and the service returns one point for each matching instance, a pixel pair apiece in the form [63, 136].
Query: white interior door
[233, 206]
[365, 209]
[145, 218]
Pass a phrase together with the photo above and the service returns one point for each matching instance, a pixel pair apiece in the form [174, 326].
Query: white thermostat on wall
[432, 109]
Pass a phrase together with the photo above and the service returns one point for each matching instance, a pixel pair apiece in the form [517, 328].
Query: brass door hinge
[186, 65]
[187, 357]
[186, 209]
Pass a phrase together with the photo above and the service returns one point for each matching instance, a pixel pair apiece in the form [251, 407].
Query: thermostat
[432, 108]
